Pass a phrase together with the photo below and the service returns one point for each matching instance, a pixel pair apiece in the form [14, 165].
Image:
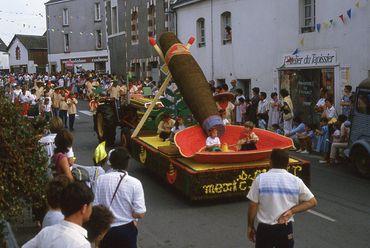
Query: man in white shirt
[263, 109]
[329, 111]
[275, 196]
[76, 206]
[124, 196]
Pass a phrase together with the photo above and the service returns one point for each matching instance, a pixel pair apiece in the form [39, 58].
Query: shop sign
[69, 64]
[86, 60]
[317, 58]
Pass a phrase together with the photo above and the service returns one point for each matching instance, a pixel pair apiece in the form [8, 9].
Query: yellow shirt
[55, 98]
[72, 107]
[63, 104]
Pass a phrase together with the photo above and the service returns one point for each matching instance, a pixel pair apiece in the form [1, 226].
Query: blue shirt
[299, 129]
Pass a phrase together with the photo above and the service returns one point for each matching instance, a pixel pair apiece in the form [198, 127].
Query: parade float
[185, 164]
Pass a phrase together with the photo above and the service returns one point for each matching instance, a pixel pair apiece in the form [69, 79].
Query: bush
[22, 161]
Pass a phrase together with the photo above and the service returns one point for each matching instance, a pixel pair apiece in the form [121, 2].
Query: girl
[63, 143]
[213, 143]
[240, 106]
[274, 112]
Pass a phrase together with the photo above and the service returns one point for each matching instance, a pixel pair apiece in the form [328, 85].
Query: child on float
[179, 126]
[213, 143]
[222, 113]
[248, 139]
[165, 126]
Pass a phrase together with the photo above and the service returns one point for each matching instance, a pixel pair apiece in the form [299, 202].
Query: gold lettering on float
[240, 184]
[295, 169]
[243, 181]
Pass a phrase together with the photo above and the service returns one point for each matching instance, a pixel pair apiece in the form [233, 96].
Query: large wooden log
[192, 83]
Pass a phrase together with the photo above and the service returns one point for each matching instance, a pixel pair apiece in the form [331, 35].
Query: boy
[248, 139]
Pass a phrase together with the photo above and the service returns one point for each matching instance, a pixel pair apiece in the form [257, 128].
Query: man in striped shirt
[275, 196]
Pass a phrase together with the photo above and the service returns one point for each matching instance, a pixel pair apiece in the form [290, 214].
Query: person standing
[346, 102]
[233, 88]
[263, 109]
[124, 195]
[72, 110]
[274, 111]
[55, 99]
[253, 106]
[76, 205]
[287, 109]
[63, 109]
[275, 197]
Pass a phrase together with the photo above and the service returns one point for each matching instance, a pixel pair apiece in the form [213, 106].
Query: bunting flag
[331, 22]
[318, 27]
[357, 4]
[296, 51]
[349, 13]
[342, 18]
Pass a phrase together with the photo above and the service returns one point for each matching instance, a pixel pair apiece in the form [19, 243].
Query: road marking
[86, 112]
[321, 215]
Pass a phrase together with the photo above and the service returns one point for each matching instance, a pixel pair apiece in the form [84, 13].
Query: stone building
[76, 35]
[28, 53]
[129, 24]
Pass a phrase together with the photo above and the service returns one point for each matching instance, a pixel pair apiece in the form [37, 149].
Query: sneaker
[323, 161]
[305, 152]
[299, 150]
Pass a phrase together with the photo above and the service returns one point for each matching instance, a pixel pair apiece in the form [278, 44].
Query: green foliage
[22, 161]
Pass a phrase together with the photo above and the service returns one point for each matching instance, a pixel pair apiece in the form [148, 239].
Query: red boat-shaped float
[191, 144]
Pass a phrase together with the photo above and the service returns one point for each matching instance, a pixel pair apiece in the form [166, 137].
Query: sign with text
[315, 58]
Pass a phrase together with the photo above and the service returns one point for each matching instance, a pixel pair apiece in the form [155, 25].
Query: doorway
[245, 85]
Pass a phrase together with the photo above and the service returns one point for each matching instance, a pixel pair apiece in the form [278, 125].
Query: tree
[22, 162]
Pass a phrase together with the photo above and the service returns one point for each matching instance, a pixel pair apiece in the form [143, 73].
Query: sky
[21, 17]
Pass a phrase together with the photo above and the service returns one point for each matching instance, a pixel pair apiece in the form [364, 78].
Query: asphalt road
[341, 219]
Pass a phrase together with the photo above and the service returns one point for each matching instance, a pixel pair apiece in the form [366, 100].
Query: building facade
[301, 45]
[4, 57]
[130, 23]
[76, 35]
[28, 53]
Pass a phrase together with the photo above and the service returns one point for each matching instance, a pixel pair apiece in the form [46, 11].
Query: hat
[230, 96]
[100, 153]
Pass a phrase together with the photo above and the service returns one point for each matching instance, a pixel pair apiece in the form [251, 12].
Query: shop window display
[304, 86]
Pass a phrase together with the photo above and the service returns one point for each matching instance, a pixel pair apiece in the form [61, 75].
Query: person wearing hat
[100, 155]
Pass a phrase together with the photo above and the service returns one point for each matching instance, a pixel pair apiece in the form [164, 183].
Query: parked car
[359, 143]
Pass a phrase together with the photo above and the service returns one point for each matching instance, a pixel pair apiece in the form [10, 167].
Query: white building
[4, 57]
[28, 53]
[258, 48]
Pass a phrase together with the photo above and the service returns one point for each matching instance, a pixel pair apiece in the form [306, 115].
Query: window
[201, 36]
[134, 26]
[65, 17]
[307, 16]
[66, 43]
[363, 102]
[98, 39]
[97, 12]
[151, 20]
[17, 53]
[114, 20]
[226, 28]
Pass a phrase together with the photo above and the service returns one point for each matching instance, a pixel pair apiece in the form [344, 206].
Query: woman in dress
[274, 112]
